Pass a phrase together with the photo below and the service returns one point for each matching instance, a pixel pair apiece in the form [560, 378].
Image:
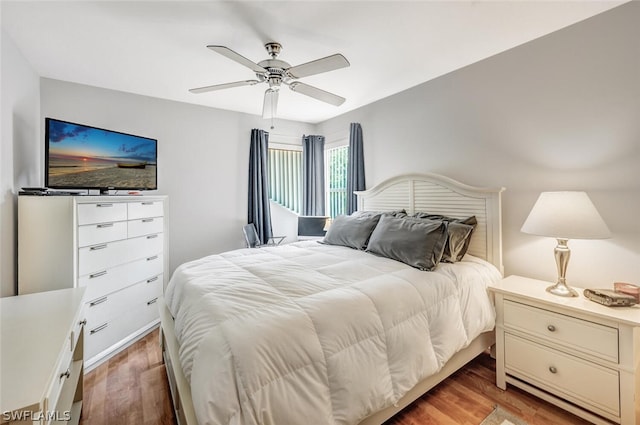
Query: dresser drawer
[115, 304]
[96, 258]
[145, 226]
[93, 234]
[582, 382]
[145, 209]
[113, 279]
[146, 246]
[571, 333]
[122, 314]
[101, 212]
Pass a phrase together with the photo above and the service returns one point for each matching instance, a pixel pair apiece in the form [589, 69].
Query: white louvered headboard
[437, 194]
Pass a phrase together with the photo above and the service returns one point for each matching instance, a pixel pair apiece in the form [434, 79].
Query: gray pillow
[394, 213]
[417, 243]
[459, 234]
[350, 231]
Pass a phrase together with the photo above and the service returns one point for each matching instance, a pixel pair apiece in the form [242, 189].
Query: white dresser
[41, 356]
[115, 246]
[572, 352]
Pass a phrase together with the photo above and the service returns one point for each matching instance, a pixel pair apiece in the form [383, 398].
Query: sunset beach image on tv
[85, 157]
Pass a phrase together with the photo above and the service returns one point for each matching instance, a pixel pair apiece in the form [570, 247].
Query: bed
[277, 335]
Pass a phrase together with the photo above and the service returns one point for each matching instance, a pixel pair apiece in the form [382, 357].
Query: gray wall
[203, 157]
[19, 144]
[559, 113]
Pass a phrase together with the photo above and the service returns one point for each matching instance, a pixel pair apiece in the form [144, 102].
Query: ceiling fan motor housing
[273, 48]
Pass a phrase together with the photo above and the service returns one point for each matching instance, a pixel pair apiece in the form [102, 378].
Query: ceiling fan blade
[319, 66]
[225, 51]
[224, 86]
[317, 93]
[270, 105]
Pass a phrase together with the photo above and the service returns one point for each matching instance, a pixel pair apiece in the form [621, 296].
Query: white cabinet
[42, 383]
[577, 354]
[114, 246]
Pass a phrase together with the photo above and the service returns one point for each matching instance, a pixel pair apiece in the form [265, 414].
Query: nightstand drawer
[582, 382]
[571, 333]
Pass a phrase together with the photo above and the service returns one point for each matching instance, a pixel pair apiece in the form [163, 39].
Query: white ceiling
[158, 48]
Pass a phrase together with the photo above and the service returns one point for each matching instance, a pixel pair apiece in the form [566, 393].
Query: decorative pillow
[350, 231]
[417, 243]
[459, 234]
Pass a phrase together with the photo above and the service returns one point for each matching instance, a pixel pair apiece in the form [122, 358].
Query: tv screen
[84, 157]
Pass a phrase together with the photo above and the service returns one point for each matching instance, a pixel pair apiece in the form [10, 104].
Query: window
[285, 178]
[336, 171]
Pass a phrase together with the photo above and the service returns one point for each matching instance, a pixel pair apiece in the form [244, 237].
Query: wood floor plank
[132, 389]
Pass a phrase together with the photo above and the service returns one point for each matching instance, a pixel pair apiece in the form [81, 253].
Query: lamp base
[562, 290]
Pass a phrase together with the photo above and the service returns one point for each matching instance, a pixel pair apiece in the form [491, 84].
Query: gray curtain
[355, 166]
[313, 175]
[259, 212]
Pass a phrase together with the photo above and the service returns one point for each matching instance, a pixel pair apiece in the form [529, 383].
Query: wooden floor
[131, 388]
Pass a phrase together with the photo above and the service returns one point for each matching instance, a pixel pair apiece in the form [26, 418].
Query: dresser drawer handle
[147, 220]
[104, 225]
[155, 257]
[152, 236]
[83, 322]
[67, 374]
[153, 279]
[104, 205]
[94, 275]
[153, 301]
[553, 369]
[98, 301]
[97, 247]
[147, 203]
[98, 329]
[551, 328]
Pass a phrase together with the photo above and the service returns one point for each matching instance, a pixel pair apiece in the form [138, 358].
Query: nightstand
[42, 357]
[572, 352]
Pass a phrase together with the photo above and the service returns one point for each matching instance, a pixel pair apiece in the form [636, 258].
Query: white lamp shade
[565, 215]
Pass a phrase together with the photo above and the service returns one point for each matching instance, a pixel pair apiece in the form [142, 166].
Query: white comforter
[307, 331]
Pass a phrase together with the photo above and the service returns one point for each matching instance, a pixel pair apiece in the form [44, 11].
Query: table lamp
[564, 216]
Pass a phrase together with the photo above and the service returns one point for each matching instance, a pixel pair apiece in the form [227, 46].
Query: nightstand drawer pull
[97, 247]
[147, 220]
[82, 322]
[155, 257]
[153, 301]
[551, 328]
[153, 279]
[152, 236]
[67, 374]
[98, 329]
[104, 225]
[552, 369]
[104, 205]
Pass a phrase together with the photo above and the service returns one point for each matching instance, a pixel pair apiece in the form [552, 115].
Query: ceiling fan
[276, 72]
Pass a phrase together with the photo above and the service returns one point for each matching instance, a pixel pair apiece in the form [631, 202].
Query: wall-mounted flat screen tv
[83, 157]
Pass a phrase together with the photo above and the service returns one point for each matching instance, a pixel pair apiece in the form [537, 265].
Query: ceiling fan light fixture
[275, 72]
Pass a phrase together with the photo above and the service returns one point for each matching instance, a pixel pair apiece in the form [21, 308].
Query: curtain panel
[313, 175]
[259, 211]
[355, 166]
